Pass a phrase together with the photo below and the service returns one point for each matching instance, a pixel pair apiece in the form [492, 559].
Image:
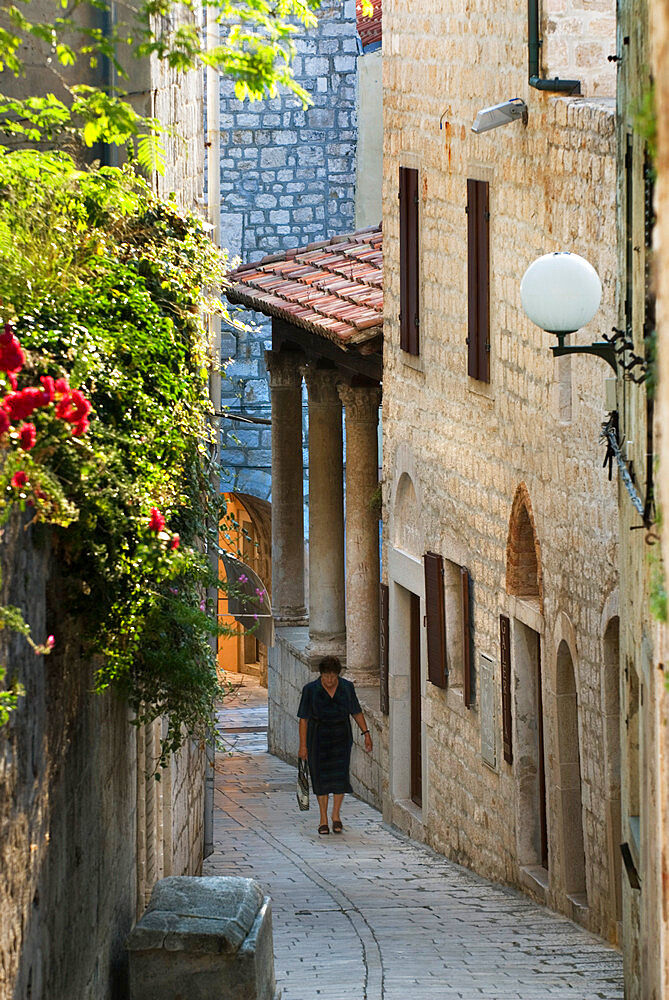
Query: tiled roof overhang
[369, 28]
[333, 288]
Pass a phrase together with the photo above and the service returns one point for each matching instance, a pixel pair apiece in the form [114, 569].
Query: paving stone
[372, 915]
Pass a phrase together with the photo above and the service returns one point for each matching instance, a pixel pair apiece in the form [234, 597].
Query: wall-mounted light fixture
[561, 292]
[500, 114]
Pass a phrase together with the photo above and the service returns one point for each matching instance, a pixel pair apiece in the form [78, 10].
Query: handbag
[302, 785]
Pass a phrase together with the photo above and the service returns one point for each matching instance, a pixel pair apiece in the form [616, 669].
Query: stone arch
[246, 532]
[523, 552]
[569, 776]
[406, 505]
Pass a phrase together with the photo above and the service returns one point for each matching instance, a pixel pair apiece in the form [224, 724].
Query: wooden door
[416, 725]
[541, 763]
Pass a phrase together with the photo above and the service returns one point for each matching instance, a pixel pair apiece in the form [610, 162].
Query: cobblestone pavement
[371, 915]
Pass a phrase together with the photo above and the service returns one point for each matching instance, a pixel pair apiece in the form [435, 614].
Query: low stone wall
[289, 670]
[80, 838]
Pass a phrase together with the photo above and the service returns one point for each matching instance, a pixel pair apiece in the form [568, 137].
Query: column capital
[284, 368]
[321, 384]
[361, 402]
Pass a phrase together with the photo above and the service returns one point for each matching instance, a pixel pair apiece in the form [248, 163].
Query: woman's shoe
[323, 829]
[337, 826]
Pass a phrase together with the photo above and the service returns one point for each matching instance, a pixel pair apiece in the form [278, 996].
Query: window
[409, 275]
[478, 280]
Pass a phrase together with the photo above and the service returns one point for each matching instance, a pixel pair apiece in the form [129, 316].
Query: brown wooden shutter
[478, 280]
[409, 318]
[435, 606]
[385, 635]
[466, 637]
[505, 657]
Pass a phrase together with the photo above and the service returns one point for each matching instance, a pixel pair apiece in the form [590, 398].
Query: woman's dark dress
[329, 734]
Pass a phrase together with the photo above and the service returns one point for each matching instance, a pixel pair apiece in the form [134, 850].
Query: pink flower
[255, 616]
[243, 578]
[27, 436]
[174, 542]
[203, 605]
[19, 480]
[156, 521]
[11, 355]
[51, 641]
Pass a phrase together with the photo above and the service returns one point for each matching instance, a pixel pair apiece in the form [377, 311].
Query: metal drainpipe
[214, 215]
[533, 45]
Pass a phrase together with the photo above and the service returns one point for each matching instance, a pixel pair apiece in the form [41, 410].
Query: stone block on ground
[203, 939]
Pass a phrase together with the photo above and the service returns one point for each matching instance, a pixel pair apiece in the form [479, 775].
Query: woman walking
[326, 737]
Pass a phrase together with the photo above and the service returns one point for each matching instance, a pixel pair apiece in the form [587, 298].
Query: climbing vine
[104, 424]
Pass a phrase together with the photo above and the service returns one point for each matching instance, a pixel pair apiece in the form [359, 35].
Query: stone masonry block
[203, 938]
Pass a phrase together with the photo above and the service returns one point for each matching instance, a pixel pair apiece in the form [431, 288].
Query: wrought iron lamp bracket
[601, 349]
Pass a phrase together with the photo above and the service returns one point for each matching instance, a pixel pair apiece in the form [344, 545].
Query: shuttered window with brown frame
[435, 607]
[505, 658]
[409, 271]
[478, 280]
[466, 637]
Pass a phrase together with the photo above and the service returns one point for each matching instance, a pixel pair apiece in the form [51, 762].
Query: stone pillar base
[363, 678]
[317, 648]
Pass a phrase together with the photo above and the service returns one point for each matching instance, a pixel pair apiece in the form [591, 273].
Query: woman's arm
[303, 739]
[360, 719]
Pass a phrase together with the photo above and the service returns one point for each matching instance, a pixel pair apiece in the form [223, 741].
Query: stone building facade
[492, 466]
[288, 176]
[642, 264]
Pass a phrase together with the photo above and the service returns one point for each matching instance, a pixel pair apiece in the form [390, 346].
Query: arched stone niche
[523, 551]
[406, 528]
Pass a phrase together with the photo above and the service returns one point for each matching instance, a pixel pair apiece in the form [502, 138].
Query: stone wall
[289, 671]
[70, 814]
[456, 451]
[578, 37]
[287, 179]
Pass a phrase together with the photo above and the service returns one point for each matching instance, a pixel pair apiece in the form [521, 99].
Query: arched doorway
[524, 581]
[569, 778]
[246, 532]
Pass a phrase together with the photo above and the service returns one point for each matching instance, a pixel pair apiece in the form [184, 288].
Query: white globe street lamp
[561, 292]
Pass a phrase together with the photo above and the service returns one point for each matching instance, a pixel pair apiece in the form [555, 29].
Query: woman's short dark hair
[330, 665]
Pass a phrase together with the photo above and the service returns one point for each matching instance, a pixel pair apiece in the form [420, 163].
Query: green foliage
[116, 307]
[254, 47]
[644, 115]
[9, 697]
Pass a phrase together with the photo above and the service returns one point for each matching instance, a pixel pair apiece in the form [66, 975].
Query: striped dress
[329, 734]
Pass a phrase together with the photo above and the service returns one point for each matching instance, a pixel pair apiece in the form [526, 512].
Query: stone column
[285, 381]
[327, 618]
[362, 533]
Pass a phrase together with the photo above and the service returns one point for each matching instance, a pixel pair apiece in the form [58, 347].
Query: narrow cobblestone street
[371, 915]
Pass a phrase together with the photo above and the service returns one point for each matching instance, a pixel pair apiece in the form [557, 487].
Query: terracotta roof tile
[369, 28]
[333, 288]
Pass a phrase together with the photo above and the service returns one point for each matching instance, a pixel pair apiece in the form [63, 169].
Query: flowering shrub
[106, 420]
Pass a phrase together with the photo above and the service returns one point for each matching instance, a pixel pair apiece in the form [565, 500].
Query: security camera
[500, 114]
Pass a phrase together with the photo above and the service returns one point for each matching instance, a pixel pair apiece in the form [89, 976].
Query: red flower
[73, 407]
[174, 542]
[4, 421]
[49, 390]
[11, 355]
[156, 521]
[19, 479]
[22, 405]
[61, 386]
[13, 381]
[27, 436]
[80, 427]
